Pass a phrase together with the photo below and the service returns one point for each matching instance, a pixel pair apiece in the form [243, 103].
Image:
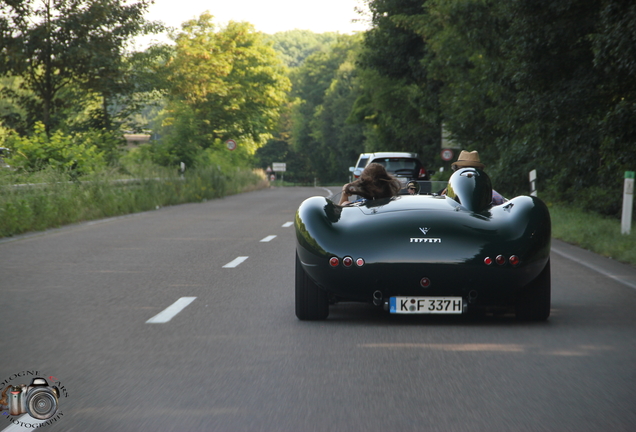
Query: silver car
[405, 166]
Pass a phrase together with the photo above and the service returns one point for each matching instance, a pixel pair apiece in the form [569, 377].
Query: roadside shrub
[46, 199]
[79, 154]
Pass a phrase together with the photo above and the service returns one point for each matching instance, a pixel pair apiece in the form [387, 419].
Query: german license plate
[426, 305]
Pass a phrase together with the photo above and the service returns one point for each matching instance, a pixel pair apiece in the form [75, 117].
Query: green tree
[294, 46]
[464, 41]
[225, 84]
[53, 44]
[549, 61]
[615, 59]
[324, 91]
[400, 99]
[340, 141]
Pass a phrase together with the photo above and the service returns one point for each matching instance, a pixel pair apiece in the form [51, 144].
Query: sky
[267, 16]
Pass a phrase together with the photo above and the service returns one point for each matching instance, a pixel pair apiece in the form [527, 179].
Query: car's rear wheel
[312, 303]
[534, 301]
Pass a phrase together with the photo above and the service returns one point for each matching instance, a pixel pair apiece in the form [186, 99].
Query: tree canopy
[225, 83]
[54, 45]
[548, 86]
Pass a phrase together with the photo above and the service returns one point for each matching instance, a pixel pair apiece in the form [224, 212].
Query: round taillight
[425, 282]
[347, 261]
[488, 261]
[501, 260]
[359, 262]
[514, 260]
[334, 261]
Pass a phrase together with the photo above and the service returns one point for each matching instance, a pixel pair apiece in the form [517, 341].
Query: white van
[405, 166]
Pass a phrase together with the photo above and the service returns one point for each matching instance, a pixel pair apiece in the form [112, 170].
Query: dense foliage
[549, 86]
[56, 47]
[546, 86]
[64, 65]
[294, 46]
[222, 84]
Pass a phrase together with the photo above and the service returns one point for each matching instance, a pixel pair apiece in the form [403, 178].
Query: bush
[79, 153]
[47, 199]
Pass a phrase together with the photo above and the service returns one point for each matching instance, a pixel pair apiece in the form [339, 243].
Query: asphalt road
[75, 304]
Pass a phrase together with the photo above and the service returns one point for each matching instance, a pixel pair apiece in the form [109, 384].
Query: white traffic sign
[279, 166]
[230, 144]
[447, 154]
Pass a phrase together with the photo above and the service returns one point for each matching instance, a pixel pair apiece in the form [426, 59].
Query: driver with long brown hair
[374, 183]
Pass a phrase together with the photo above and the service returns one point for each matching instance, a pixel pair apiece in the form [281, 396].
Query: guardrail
[25, 185]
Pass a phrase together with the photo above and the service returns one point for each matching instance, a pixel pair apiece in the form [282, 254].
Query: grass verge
[593, 232]
[53, 201]
[49, 200]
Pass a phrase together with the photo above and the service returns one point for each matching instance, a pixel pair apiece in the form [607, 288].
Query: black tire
[312, 303]
[534, 301]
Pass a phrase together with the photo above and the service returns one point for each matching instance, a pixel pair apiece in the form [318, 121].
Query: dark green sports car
[426, 254]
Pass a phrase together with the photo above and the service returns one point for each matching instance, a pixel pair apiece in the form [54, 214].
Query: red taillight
[425, 282]
[422, 173]
[347, 261]
[359, 262]
[514, 260]
[334, 261]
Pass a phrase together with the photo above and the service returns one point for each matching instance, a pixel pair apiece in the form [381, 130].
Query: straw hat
[468, 159]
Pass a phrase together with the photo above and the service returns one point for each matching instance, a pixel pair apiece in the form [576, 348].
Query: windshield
[362, 162]
[396, 164]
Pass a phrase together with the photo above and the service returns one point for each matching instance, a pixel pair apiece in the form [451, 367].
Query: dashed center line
[287, 224]
[235, 262]
[268, 238]
[172, 310]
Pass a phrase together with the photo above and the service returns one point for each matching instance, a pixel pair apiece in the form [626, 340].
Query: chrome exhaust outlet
[377, 298]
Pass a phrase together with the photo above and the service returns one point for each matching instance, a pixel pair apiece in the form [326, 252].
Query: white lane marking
[169, 313]
[235, 262]
[327, 190]
[287, 224]
[268, 238]
[595, 268]
[25, 419]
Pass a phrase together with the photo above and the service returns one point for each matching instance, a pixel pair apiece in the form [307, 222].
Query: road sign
[230, 144]
[279, 166]
[447, 154]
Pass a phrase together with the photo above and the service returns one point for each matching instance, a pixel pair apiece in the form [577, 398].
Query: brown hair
[375, 183]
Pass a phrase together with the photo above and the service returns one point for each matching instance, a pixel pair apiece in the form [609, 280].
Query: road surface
[182, 319]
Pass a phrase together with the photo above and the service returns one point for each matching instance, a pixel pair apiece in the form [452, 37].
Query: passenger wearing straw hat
[468, 159]
[471, 159]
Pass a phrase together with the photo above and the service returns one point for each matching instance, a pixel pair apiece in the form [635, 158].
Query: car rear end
[429, 255]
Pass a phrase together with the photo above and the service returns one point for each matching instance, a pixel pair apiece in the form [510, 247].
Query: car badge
[425, 231]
